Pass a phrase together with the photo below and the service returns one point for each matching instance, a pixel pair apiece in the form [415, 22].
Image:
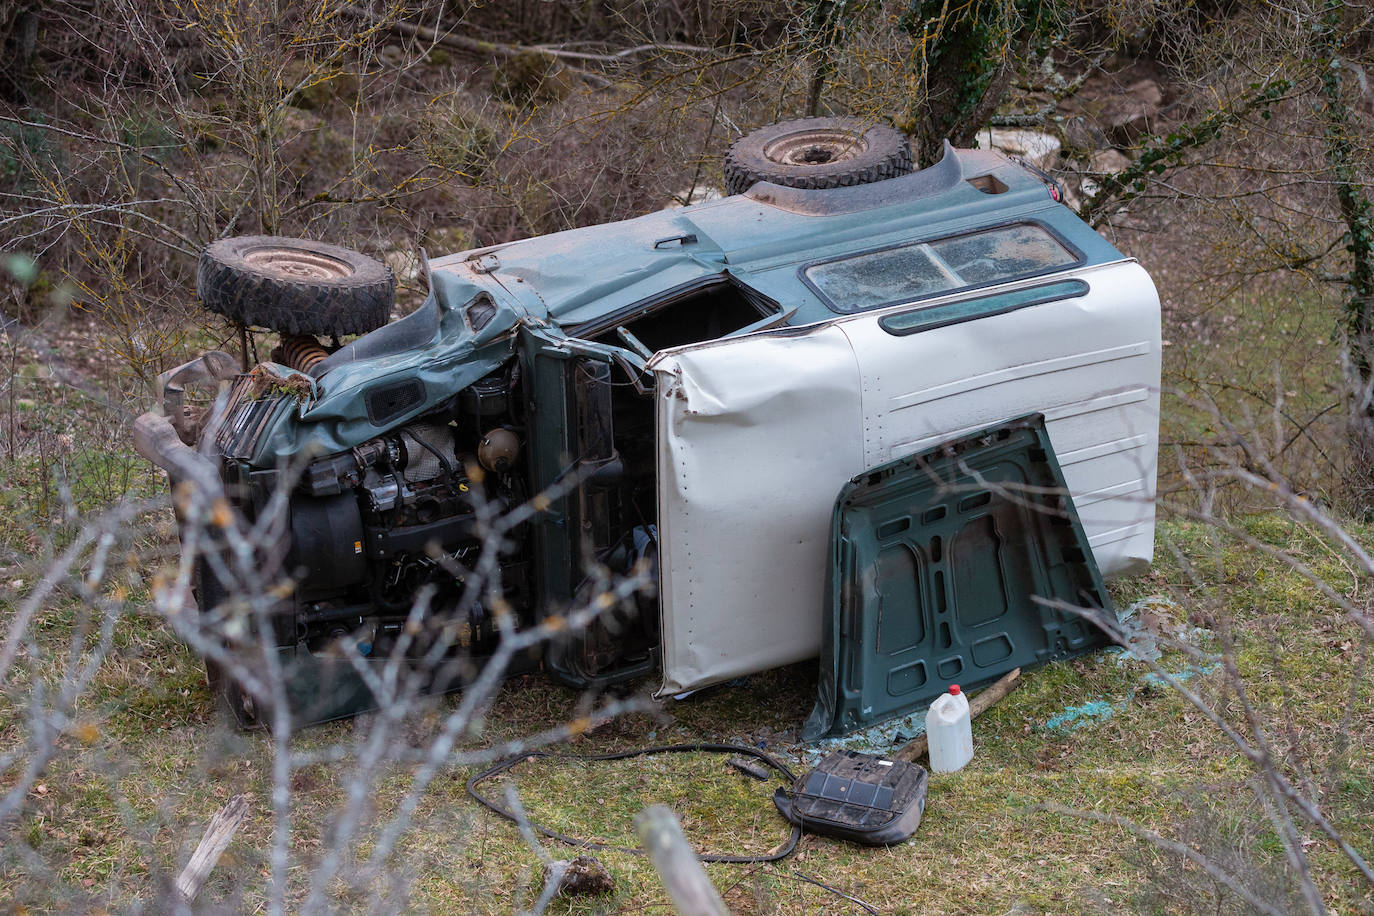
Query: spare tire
[295, 286]
[817, 153]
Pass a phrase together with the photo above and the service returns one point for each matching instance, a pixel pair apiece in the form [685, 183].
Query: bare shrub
[396, 753]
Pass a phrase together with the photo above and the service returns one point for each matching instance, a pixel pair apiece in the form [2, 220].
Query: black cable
[511, 762]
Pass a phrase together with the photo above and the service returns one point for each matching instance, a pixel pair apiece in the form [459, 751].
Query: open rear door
[952, 566]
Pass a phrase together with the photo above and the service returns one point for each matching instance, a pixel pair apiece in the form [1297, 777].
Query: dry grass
[113, 818]
[117, 812]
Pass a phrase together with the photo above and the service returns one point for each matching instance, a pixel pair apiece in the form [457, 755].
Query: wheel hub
[292, 264]
[816, 147]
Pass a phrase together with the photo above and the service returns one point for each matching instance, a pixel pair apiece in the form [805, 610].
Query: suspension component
[299, 351]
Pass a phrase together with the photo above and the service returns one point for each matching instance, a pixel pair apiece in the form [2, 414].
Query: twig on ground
[220, 831]
[677, 864]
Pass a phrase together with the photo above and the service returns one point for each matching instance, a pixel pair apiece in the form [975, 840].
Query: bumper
[160, 435]
[156, 440]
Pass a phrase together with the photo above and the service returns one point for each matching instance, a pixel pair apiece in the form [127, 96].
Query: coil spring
[299, 351]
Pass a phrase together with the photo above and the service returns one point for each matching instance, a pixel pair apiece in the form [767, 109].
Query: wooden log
[447, 39]
[221, 830]
[916, 748]
[677, 864]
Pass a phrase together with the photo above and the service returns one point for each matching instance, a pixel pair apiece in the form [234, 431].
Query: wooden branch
[501, 49]
[1062, 88]
[1038, 118]
[614, 57]
[482, 48]
[917, 747]
[677, 864]
[221, 830]
[447, 39]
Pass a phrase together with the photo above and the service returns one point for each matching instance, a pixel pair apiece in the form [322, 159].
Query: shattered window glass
[917, 271]
[1013, 251]
[885, 276]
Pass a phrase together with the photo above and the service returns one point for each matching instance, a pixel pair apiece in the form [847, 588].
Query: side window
[1014, 251]
[924, 269]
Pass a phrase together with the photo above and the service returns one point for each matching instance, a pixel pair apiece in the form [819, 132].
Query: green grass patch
[131, 803]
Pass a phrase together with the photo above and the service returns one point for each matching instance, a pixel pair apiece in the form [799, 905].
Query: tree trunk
[19, 25]
[1356, 214]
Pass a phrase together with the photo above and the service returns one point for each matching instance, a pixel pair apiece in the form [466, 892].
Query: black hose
[444, 462]
[511, 762]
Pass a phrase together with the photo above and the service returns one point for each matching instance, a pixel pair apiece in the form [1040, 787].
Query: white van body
[757, 433]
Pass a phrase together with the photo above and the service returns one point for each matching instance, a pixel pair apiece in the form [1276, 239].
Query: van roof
[765, 236]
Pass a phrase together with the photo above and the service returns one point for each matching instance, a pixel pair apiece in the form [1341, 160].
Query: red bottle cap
[954, 689]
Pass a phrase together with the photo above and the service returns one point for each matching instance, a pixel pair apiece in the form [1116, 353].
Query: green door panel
[937, 562]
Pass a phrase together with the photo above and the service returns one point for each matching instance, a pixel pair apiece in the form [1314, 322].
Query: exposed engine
[374, 526]
[402, 518]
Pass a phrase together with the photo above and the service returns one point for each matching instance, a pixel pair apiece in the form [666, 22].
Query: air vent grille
[387, 402]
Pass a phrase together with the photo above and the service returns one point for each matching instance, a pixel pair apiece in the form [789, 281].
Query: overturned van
[692, 388]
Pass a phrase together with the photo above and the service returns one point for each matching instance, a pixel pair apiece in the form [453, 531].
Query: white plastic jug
[949, 732]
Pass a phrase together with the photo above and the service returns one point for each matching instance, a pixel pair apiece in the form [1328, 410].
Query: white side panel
[755, 438]
[1090, 364]
[756, 435]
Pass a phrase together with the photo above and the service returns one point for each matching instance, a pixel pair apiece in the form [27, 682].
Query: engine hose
[511, 762]
[443, 462]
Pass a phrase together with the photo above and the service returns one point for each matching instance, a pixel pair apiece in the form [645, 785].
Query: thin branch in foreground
[1232, 883]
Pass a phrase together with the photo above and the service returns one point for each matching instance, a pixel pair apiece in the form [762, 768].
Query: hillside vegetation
[1225, 763]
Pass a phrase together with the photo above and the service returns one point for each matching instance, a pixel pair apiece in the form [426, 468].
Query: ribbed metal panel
[246, 419]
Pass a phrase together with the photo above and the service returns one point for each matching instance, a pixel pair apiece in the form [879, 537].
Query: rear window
[924, 269]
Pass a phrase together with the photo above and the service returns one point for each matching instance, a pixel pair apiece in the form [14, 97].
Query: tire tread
[353, 305]
[745, 164]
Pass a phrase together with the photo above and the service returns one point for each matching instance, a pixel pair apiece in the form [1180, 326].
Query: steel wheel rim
[816, 148]
[294, 264]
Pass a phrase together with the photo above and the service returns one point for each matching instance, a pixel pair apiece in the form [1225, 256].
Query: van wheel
[295, 286]
[817, 153]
